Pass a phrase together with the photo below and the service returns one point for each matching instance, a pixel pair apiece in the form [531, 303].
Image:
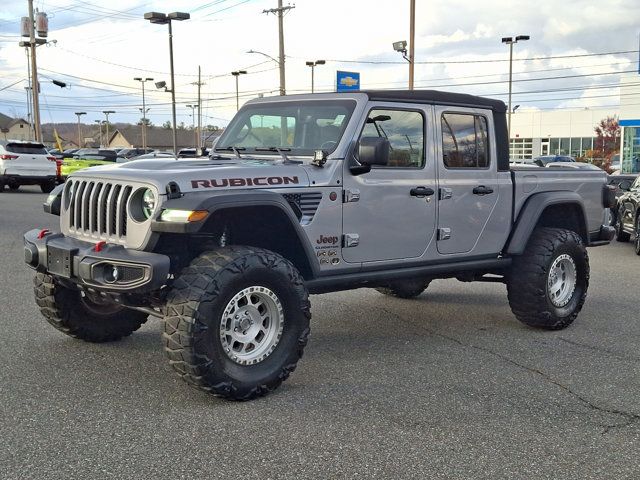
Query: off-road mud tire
[404, 288]
[527, 280]
[78, 317]
[195, 307]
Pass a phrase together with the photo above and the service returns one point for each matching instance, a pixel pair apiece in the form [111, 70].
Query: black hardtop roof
[436, 97]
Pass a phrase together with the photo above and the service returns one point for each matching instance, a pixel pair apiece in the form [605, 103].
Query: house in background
[158, 138]
[14, 128]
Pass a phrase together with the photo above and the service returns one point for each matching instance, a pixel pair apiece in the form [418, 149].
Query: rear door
[468, 187]
[32, 160]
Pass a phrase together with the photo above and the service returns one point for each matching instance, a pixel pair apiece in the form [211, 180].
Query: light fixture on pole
[144, 110]
[193, 121]
[510, 41]
[106, 114]
[161, 19]
[79, 114]
[282, 85]
[236, 74]
[313, 67]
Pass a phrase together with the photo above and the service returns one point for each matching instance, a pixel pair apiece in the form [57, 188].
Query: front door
[386, 216]
[467, 178]
[544, 150]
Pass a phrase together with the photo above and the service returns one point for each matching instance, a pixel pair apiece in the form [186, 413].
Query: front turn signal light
[183, 216]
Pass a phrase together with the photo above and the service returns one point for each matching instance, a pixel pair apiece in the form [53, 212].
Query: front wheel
[548, 283]
[237, 322]
[75, 314]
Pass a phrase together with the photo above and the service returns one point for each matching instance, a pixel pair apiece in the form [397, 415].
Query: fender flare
[532, 211]
[224, 200]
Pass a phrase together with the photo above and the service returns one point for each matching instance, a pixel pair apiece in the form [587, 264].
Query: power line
[441, 62]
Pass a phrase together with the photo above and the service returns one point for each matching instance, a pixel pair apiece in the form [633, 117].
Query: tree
[607, 136]
[147, 122]
[166, 125]
[181, 126]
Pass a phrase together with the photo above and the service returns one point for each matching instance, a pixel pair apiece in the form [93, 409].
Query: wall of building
[18, 131]
[562, 132]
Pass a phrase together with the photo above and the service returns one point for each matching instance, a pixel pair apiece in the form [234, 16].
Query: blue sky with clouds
[102, 46]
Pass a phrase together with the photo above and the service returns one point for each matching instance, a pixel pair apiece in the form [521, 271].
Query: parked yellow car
[85, 158]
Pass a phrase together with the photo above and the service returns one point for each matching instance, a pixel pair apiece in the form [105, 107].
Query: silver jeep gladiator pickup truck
[308, 194]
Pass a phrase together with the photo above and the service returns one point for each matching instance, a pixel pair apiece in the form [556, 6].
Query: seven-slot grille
[98, 209]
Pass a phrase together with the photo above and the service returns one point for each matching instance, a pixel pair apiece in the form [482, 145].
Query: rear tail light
[8, 157]
[52, 159]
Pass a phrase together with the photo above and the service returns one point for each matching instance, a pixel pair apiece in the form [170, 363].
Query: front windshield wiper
[281, 151]
[233, 149]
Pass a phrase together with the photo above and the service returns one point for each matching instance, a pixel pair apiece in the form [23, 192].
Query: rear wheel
[14, 186]
[404, 288]
[237, 322]
[636, 242]
[47, 186]
[548, 283]
[79, 316]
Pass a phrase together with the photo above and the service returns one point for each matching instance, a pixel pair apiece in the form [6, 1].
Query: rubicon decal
[244, 182]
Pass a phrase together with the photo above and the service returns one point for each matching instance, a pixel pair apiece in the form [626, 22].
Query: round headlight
[148, 202]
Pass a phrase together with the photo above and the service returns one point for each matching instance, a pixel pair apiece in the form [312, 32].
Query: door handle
[482, 190]
[421, 192]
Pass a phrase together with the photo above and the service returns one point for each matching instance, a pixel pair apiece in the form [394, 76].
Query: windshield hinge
[319, 158]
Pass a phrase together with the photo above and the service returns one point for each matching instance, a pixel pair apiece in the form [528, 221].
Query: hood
[205, 174]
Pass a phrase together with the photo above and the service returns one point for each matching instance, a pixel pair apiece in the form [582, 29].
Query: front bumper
[108, 268]
[602, 236]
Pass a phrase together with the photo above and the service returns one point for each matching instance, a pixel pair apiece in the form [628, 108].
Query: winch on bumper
[101, 266]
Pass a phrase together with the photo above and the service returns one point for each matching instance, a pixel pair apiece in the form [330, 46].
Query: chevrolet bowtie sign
[347, 81]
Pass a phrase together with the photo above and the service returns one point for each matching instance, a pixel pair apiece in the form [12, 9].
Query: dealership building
[555, 132]
[571, 132]
[630, 123]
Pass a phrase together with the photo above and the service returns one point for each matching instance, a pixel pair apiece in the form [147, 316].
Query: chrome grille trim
[98, 209]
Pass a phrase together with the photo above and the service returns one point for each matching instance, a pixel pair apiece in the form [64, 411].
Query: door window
[464, 141]
[405, 131]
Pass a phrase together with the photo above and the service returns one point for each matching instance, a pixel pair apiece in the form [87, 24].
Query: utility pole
[106, 114]
[279, 12]
[34, 75]
[412, 40]
[80, 142]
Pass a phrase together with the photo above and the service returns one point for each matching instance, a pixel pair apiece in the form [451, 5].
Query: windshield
[300, 128]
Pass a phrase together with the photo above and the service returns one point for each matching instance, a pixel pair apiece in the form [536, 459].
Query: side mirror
[625, 185]
[373, 151]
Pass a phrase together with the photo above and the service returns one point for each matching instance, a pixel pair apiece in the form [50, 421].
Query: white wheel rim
[251, 325]
[561, 281]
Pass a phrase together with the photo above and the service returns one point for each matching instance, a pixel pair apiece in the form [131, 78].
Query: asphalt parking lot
[450, 385]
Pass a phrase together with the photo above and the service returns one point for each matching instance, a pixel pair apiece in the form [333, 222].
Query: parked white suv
[26, 163]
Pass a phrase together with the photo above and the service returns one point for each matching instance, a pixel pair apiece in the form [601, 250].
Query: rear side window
[464, 141]
[28, 148]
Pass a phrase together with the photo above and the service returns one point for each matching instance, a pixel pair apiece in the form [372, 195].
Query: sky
[575, 58]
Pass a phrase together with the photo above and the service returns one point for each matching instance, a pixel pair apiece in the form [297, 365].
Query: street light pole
[144, 111]
[313, 66]
[161, 18]
[510, 41]
[79, 114]
[193, 122]
[99, 122]
[106, 114]
[236, 74]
